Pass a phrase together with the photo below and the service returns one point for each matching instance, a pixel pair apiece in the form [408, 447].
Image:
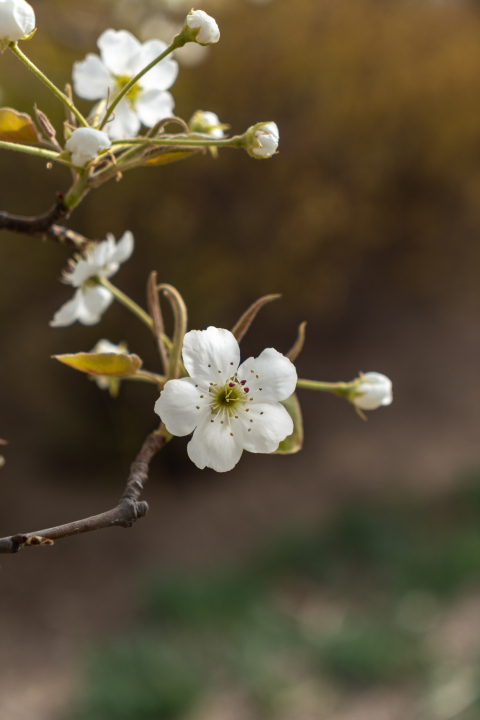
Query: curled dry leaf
[297, 347]
[241, 327]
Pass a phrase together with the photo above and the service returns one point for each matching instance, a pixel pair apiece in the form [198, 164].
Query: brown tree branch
[43, 226]
[128, 510]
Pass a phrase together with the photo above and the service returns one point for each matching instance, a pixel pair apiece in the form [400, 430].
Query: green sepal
[294, 442]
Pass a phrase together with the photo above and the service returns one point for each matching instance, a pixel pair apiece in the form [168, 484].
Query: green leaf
[17, 127]
[166, 157]
[294, 442]
[112, 364]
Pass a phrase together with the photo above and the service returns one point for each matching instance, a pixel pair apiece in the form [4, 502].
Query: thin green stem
[130, 304]
[125, 90]
[338, 388]
[78, 190]
[149, 377]
[63, 98]
[182, 140]
[39, 152]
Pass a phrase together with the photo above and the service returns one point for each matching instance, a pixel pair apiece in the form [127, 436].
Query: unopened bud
[261, 140]
[203, 28]
[85, 144]
[370, 391]
[17, 20]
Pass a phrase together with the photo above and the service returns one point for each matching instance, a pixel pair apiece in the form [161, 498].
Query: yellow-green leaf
[111, 364]
[17, 127]
[294, 442]
[164, 158]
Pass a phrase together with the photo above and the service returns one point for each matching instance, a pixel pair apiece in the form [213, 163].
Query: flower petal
[68, 313]
[94, 301]
[161, 76]
[180, 406]
[117, 49]
[123, 249]
[91, 79]
[213, 445]
[125, 122]
[154, 105]
[277, 376]
[267, 425]
[211, 354]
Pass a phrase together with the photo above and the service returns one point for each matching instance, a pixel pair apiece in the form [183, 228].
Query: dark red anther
[231, 384]
[246, 389]
[242, 382]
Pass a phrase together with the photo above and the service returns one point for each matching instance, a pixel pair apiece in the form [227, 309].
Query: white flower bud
[372, 391]
[268, 136]
[17, 19]
[208, 31]
[208, 123]
[85, 144]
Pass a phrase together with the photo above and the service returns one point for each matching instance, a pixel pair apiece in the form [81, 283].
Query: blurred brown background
[367, 222]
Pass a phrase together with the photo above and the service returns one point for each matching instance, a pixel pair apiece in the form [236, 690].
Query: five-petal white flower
[17, 19]
[208, 31]
[85, 144]
[230, 407]
[91, 299]
[268, 136]
[374, 391]
[122, 57]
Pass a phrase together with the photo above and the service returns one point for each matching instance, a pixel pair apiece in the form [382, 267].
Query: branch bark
[43, 226]
[128, 510]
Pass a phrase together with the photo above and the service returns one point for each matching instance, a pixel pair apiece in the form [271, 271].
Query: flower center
[123, 80]
[228, 397]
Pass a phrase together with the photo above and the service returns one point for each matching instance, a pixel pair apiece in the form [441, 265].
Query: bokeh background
[339, 583]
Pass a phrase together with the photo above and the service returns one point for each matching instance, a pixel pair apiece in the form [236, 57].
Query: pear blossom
[90, 301]
[122, 56]
[208, 31]
[206, 123]
[17, 19]
[106, 382]
[268, 136]
[229, 407]
[85, 144]
[372, 391]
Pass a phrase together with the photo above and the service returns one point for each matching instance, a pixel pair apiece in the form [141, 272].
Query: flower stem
[338, 388]
[78, 190]
[39, 152]
[130, 304]
[182, 140]
[125, 90]
[63, 98]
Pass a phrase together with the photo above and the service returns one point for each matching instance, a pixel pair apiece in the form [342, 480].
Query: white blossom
[122, 56]
[372, 391]
[85, 144]
[207, 123]
[17, 19]
[268, 136]
[229, 407]
[90, 301]
[208, 31]
[106, 382]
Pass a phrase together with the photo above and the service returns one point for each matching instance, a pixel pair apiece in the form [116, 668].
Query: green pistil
[227, 398]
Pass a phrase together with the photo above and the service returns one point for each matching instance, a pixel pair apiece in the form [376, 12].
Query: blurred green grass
[349, 604]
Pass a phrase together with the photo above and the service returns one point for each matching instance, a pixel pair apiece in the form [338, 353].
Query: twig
[128, 510]
[43, 226]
